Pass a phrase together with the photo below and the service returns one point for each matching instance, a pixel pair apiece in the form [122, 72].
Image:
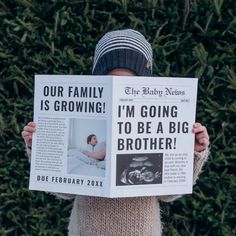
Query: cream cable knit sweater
[140, 216]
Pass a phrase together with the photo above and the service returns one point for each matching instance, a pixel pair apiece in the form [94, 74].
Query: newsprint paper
[113, 136]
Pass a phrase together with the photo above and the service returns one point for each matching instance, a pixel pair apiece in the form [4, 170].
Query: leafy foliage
[189, 38]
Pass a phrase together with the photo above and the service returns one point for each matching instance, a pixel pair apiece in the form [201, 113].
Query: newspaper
[113, 136]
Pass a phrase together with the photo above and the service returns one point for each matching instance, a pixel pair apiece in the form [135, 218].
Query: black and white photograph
[87, 147]
[139, 169]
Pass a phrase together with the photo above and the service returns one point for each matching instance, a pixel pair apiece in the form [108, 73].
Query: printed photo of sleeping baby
[87, 148]
[137, 169]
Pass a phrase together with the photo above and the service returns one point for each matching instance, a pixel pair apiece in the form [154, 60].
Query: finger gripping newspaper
[113, 136]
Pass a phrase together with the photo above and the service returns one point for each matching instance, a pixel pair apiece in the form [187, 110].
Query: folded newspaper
[113, 136]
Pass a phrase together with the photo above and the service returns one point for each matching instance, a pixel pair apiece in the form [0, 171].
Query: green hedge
[189, 38]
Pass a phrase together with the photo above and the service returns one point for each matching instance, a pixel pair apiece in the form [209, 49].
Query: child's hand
[27, 133]
[201, 137]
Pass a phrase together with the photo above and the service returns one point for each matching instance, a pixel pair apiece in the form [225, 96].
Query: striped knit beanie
[127, 49]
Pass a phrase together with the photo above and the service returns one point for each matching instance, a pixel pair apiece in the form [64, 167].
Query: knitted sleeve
[199, 161]
[59, 195]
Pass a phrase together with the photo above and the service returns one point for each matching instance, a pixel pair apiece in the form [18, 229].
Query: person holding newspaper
[123, 53]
